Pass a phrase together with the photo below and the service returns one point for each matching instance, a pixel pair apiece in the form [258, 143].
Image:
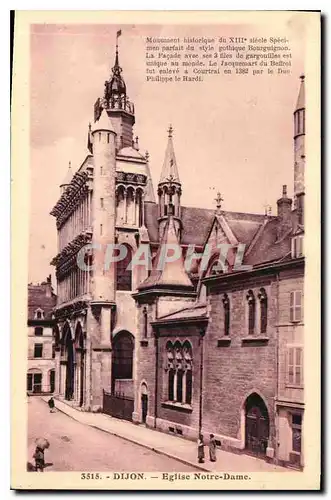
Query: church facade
[197, 343]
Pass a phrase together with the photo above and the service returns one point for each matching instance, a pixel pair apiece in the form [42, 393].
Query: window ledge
[144, 343]
[223, 342]
[294, 386]
[254, 339]
[177, 406]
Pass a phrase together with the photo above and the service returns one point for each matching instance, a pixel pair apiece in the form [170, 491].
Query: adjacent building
[200, 342]
[41, 348]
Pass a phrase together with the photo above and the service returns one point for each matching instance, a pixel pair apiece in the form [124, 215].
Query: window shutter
[290, 365]
[298, 365]
[295, 306]
[292, 306]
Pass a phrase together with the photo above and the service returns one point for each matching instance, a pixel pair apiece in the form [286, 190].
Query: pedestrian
[212, 448]
[39, 457]
[51, 405]
[201, 449]
[39, 454]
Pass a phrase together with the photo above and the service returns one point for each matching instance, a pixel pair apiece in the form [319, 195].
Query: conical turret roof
[301, 104]
[68, 177]
[104, 123]
[169, 169]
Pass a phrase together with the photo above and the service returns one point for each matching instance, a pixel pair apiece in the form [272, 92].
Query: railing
[118, 405]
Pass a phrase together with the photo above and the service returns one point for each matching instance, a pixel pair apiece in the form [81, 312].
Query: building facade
[41, 348]
[182, 345]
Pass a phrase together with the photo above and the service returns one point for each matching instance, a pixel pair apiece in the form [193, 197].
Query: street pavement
[78, 447]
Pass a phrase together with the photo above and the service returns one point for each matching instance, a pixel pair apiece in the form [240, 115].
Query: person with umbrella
[39, 455]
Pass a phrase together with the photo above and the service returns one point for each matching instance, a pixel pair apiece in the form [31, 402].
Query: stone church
[178, 346]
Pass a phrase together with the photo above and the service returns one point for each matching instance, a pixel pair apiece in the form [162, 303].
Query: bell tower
[117, 104]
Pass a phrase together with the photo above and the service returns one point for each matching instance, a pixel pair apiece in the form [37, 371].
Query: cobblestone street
[77, 447]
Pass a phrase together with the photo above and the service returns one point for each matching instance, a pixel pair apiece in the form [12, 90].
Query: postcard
[165, 251]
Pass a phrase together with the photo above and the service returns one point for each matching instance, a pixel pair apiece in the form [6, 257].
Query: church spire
[169, 169]
[169, 188]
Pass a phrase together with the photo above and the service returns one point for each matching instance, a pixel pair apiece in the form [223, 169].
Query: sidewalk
[180, 449]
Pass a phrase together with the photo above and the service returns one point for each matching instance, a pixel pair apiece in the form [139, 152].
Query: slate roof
[195, 311]
[197, 222]
[301, 96]
[37, 298]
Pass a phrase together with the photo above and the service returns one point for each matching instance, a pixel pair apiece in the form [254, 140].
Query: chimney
[48, 287]
[284, 211]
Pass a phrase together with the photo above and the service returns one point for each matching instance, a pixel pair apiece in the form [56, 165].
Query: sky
[232, 134]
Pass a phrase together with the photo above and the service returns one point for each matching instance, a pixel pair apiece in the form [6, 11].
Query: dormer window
[297, 247]
[39, 314]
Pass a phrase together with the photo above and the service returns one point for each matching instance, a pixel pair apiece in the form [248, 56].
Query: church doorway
[80, 362]
[70, 371]
[256, 425]
[144, 403]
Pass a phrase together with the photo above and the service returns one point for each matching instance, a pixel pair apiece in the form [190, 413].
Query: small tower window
[108, 136]
[99, 136]
[101, 170]
[101, 202]
[145, 322]
[251, 312]
[226, 306]
[101, 229]
[264, 310]
[123, 273]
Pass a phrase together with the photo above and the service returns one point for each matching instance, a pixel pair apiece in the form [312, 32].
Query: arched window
[139, 207]
[187, 352]
[264, 310]
[179, 376]
[39, 314]
[226, 306]
[38, 331]
[122, 359]
[120, 206]
[216, 266]
[123, 274]
[251, 312]
[130, 206]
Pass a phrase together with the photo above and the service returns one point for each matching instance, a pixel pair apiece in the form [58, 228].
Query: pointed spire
[301, 97]
[104, 123]
[168, 274]
[149, 190]
[116, 68]
[68, 177]
[89, 139]
[169, 169]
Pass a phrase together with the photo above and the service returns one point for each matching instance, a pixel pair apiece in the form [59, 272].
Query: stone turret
[299, 151]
